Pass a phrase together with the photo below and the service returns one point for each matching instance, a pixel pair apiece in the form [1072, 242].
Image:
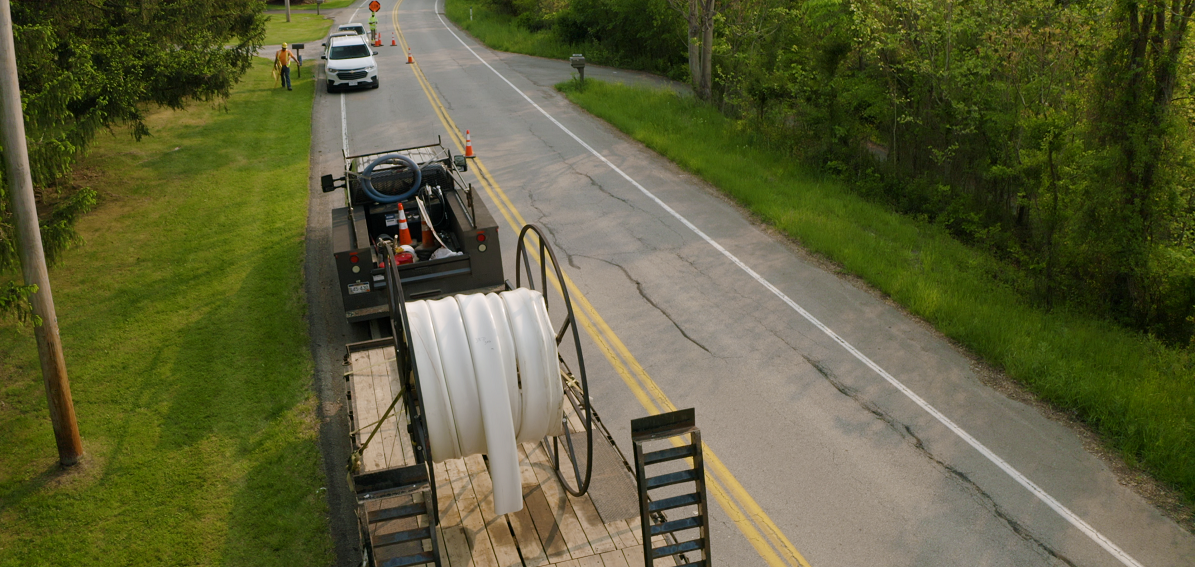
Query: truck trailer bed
[553, 528]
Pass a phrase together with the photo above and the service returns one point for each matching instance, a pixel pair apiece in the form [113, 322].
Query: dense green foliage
[1137, 392]
[632, 34]
[1054, 134]
[182, 326]
[85, 66]
[1057, 135]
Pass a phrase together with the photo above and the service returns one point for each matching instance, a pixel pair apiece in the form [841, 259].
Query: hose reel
[576, 385]
[484, 372]
[366, 179]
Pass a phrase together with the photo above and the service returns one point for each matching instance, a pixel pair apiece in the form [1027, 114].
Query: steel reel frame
[555, 448]
[413, 400]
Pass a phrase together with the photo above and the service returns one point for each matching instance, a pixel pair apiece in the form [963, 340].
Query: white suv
[350, 62]
[358, 29]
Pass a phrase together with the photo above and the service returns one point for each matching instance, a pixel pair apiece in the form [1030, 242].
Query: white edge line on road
[1063, 511]
[344, 128]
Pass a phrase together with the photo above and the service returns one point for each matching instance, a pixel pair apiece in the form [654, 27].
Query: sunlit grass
[1137, 393]
[329, 5]
[182, 323]
[302, 27]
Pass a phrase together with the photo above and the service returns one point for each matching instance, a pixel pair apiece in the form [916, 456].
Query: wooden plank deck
[553, 528]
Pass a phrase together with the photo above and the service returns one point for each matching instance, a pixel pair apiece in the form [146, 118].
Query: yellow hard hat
[283, 45]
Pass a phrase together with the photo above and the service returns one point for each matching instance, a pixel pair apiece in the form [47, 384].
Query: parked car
[358, 29]
[350, 62]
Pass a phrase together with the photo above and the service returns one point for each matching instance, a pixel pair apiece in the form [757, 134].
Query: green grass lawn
[1136, 392]
[329, 5]
[182, 323]
[301, 28]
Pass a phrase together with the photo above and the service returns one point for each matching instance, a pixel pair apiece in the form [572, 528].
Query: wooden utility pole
[288, 11]
[33, 260]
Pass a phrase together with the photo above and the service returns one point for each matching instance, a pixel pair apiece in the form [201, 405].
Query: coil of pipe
[490, 379]
[366, 179]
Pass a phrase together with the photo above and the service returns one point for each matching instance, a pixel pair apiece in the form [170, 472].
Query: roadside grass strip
[182, 323]
[329, 5]
[302, 27]
[1136, 392]
[500, 31]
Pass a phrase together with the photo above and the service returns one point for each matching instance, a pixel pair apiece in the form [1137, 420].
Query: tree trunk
[1140, 71]
[694, 43]
[705, 89]
[700, 16]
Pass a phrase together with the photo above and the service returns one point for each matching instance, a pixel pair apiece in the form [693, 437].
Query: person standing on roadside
[373, 26]
[282, 61]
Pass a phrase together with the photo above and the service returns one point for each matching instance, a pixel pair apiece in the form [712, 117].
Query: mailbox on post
[298, 47]
[578, 63]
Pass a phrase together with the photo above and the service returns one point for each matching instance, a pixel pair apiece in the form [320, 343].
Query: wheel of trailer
[571, 452]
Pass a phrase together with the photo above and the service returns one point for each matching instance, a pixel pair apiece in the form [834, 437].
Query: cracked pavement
[846, 466]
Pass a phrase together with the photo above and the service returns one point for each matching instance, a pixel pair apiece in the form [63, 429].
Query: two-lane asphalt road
[842, 432]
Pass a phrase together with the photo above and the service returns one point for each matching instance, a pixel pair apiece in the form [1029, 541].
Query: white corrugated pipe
[490, 380]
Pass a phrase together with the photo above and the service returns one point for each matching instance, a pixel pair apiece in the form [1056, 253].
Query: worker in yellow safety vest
[282, 61]
[373, 26]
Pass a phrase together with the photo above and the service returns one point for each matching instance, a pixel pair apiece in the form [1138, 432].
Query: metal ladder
[415, 543]
[651, 512]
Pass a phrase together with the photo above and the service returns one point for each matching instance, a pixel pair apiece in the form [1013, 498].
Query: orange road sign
[374, 6]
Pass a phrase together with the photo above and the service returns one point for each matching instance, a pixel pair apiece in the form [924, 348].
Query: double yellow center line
[748, 516]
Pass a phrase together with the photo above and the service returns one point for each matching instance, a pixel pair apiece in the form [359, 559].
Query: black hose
[367, 183]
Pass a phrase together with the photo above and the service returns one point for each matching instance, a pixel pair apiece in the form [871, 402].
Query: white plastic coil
[490, 379]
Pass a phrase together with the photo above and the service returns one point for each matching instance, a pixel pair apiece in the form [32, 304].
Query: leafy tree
[85, 65]
[1057, 134]
[1128, 217]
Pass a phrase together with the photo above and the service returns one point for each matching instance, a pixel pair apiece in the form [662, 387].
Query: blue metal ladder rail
[651, 512]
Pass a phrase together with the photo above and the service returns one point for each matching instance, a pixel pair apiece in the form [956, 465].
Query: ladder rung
[668, 455]
[398, 512]
[403, 536]
[692, 545]
[694, 564]
[407, 560]
[676, 525]
[674, 502]
[663, 425]
[410, 477]
[671, 478]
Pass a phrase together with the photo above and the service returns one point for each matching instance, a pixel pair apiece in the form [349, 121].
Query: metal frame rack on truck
[377, 186]
[474, 442]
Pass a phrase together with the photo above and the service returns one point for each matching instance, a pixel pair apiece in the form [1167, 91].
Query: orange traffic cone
[428, 240]
[404, 233]
[393, 40]
[409, 58]
[468, 145]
